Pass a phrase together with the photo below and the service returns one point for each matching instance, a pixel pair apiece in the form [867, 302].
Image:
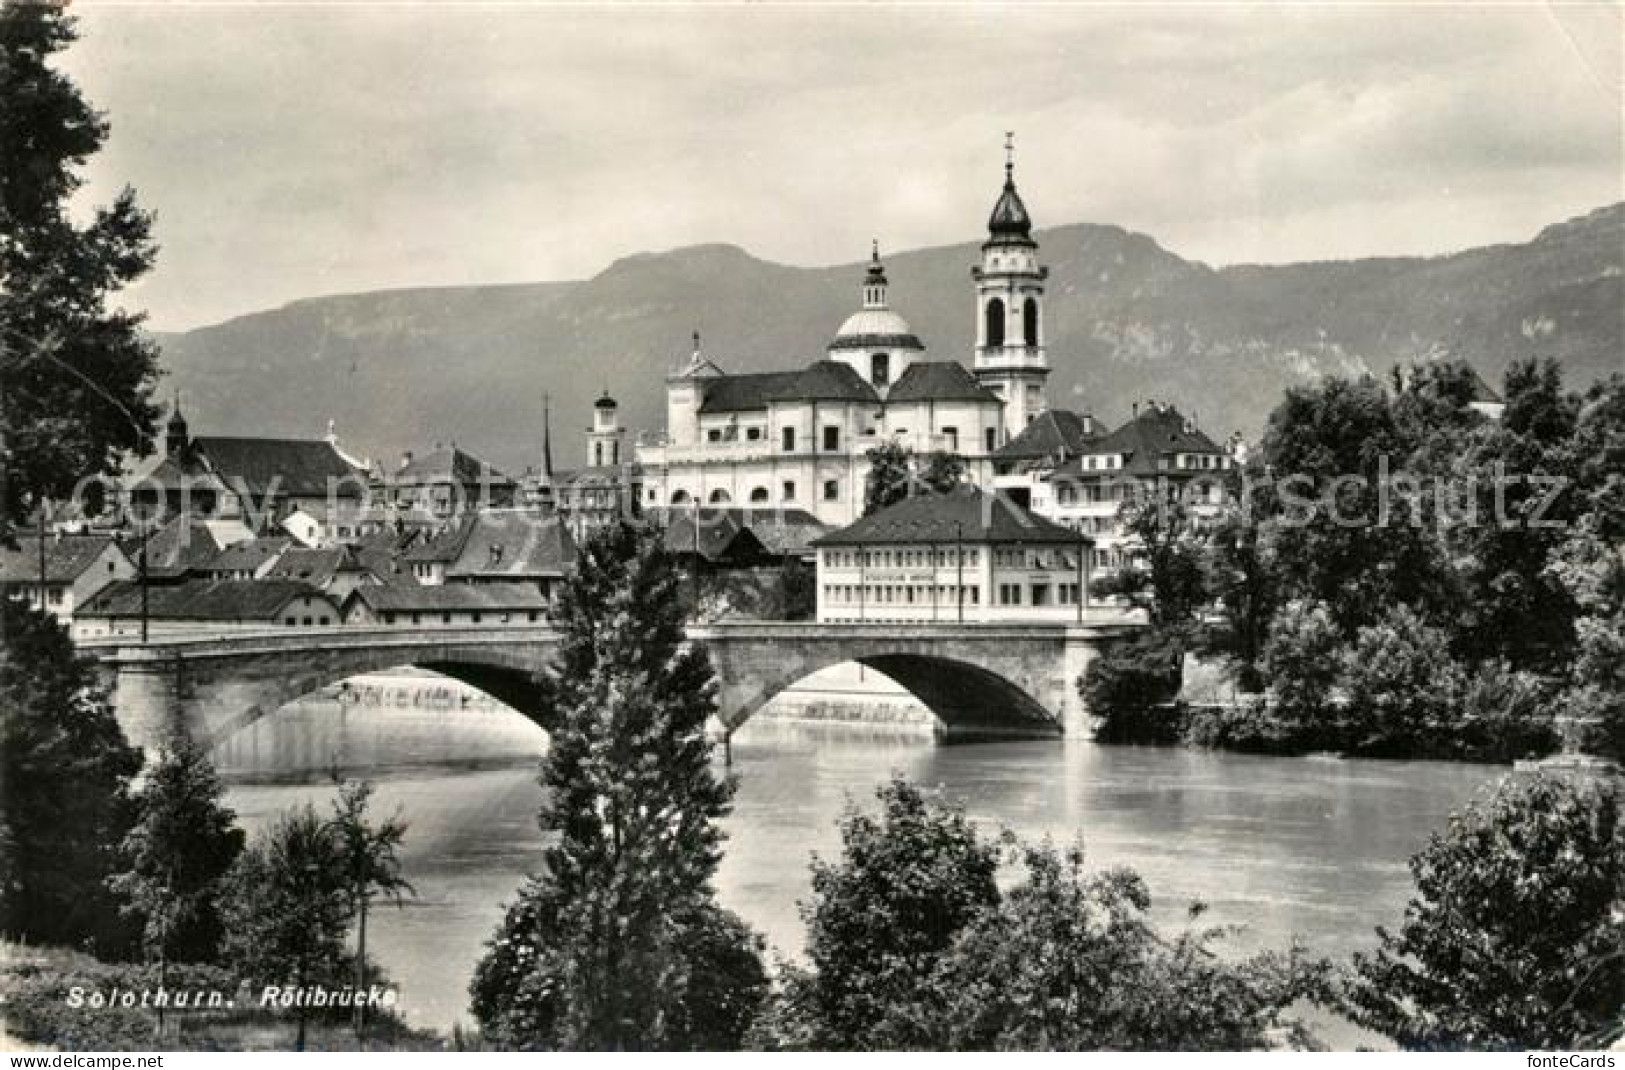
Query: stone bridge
[976, 678]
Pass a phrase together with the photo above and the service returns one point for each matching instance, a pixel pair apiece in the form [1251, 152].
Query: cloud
[306, 149]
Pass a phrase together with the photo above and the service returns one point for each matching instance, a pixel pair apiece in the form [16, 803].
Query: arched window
[759, 495]
[1029, 321]
[880, 369]
[719, 497]
[680, 497]
[995, 322]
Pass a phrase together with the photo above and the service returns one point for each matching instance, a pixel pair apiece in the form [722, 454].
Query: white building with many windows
[962, 557]
[799, 438]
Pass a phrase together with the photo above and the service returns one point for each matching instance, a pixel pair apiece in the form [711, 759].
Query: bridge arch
[1013, 684]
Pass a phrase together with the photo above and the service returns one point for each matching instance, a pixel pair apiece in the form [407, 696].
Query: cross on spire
[1009, 154]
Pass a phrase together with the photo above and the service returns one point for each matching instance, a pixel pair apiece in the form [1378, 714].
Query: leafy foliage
[182, 846]
[1167, 581]
[78, 375]
[369, 856]
[65, 771]
[895, 474]
[880, 919]
[606, 948]
[1132, 675]
[1068, 961]
[1513, 940]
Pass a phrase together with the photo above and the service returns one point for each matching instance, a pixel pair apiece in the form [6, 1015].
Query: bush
[1132, 675]
[1513, 940]
[1400, 683]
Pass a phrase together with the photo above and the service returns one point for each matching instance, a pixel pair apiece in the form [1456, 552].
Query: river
[1309, 848]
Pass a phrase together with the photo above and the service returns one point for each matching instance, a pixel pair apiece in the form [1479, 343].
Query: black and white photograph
[828, 526]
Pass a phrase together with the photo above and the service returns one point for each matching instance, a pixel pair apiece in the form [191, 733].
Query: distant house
[249, 560]
[710, 540]
[497, 546]
[75, 568]
[1485, 399]
[336, 571]
[446, 604]
[782, 532]
[186, 546]
[258, 481]
[445, 483]
[201, 608]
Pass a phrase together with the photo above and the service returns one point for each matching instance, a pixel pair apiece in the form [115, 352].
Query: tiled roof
[447, 464]
[514, 543]
[249, 556]
[443, 546]
[1155, 431]
[824, 380]
[712, 534]
[66, 558]
[216, 600]
[292, 466]
[964, 514]
[449, 597]
[939, 380]
[316, 567]
[1053, 433]
[781, 531]
[183, 544]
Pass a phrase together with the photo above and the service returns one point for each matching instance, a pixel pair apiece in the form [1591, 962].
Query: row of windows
[391, 617]
[900, 594]
[831, 438]
[1035, 559]
[1039, 594]
[940, 558]
[759, 495]
[307, 622]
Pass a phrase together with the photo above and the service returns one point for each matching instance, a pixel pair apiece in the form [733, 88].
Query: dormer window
[880, 369]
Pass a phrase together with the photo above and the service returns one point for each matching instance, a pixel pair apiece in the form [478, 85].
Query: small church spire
[547, 439]
[874, 279]
[1010, 156]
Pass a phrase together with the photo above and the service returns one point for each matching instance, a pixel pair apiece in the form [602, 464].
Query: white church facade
[800, 438]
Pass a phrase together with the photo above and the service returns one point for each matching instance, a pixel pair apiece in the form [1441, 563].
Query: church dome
[869, 328]
[1009, 218]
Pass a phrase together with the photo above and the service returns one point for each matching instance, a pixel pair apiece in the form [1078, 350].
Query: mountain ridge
[1126, 319]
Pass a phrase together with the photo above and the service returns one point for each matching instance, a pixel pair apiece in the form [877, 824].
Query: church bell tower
[1010, 358]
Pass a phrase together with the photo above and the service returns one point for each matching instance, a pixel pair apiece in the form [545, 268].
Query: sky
[292, 150]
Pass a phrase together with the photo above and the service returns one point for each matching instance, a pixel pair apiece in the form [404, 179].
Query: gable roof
[939, 380]
[307, 468]
[514, 543]
[1056, 433]
[66, 557]
[781, 531]
[183, 544]
[1155, 431]
[443, 546]
[316, 567]
[215, 600]
[964, 514]
[823, 380]
[448, 464]
[711, 534]
[448, 597]
[248, 556]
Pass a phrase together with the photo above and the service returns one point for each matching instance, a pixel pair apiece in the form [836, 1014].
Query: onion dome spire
[1009, 218]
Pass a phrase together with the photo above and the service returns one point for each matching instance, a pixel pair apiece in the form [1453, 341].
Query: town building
[444, 483]
[202, 608]
[496, 546]
[249, 560]
[255, 481]
[184, 546]
[1160, 454]
[800, 438]
[59, 573]
[334, 570]
[965, 556]
[409, 606]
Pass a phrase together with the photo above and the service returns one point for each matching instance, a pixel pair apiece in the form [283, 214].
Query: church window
[787, 436]
[995, 322]
[753, 434]
[789, 490]
[680, 497]
[880, 369]
[1029, 321]
[759, 494]
[714, 435]
[598, 454]
[720, 497]
[832, 438]
[950, 439]
[832, 490]
[992, 436]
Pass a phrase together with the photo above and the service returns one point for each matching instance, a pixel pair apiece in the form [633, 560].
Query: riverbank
[62, 1000]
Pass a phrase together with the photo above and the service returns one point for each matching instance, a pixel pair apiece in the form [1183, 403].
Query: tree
[895, 474]
[1069, 961]
[1131, 676]
[288, 908]
[372, 868]
[603, 949]
[1400, 684]
[1301, 661]
[78, 376]
[1242, 577]
[65, 771]
[1513, 940]
[183, 844]
[1167, 580]
[907, 882]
